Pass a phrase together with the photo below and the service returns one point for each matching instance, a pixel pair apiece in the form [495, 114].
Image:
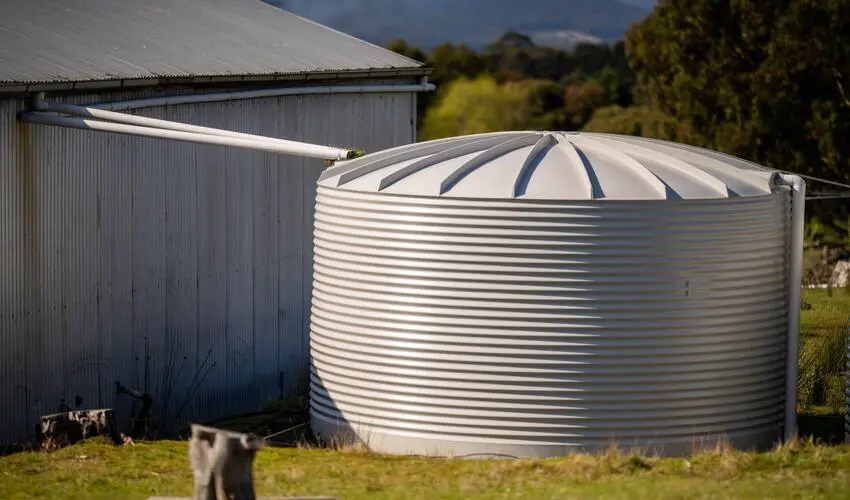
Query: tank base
[380, 441]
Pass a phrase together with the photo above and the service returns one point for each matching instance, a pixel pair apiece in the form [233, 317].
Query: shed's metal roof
[552, 165]
[89, 40]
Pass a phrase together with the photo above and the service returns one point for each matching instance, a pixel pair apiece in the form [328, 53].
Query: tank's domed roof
[551, 165]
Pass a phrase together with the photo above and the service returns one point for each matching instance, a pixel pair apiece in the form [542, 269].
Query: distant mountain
[562, 39]
[646, 4]
[427, 23]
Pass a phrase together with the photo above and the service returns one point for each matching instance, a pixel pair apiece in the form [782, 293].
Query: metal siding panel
[406, 126]
[53, 219]
[266, 271]
[149, 263]
[395, 114]
[212, 268]
[16, 184]
[294, 207]
[204, 251]
[400, 121]
[80, 332]
[176, 361]
[458, 326]
[414, 105]
[310, 175]
[361, 122]
[116, 251]
[368, 132]
[239, 262]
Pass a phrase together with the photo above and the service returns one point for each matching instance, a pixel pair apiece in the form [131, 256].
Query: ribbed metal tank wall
[471, 321]
[199, 258]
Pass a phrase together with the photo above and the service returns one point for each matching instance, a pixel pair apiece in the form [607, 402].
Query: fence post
[221, 462]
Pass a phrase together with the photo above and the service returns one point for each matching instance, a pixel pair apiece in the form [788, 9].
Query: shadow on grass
[826, 429]
[283, 423]
[286, 424]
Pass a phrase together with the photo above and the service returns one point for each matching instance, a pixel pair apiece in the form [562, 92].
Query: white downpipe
[795, 282]
[142, 121]
[297, 149]
[260, 93]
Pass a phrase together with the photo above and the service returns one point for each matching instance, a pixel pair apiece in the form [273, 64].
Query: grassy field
[98, 470]
[824, 323]
[825, 311]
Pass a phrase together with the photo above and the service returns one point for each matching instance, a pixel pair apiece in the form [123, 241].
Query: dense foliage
[766, 80]
[535, 87]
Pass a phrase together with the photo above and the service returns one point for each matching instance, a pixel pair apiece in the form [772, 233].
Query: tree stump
[67, 428]
[221, 461]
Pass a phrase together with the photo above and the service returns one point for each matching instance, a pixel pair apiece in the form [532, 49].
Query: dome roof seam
[532, 160]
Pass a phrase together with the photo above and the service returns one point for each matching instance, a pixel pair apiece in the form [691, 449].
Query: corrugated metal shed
[91, 40]
[180, 269]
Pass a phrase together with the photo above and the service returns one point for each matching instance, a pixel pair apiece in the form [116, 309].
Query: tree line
[515, 84]
[765, 80]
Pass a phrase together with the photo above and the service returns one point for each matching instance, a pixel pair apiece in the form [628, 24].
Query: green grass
[98, 470]
[824, 325]
[825, 311]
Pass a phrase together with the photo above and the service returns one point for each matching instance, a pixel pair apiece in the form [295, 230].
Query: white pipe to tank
[142, 121]
[260, 93]
[107, 112]
[297, 149]
[795, 285]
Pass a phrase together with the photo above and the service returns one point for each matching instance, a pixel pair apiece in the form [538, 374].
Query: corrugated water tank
[536, 294]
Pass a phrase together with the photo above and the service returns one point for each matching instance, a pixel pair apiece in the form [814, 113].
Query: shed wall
[180, 269]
